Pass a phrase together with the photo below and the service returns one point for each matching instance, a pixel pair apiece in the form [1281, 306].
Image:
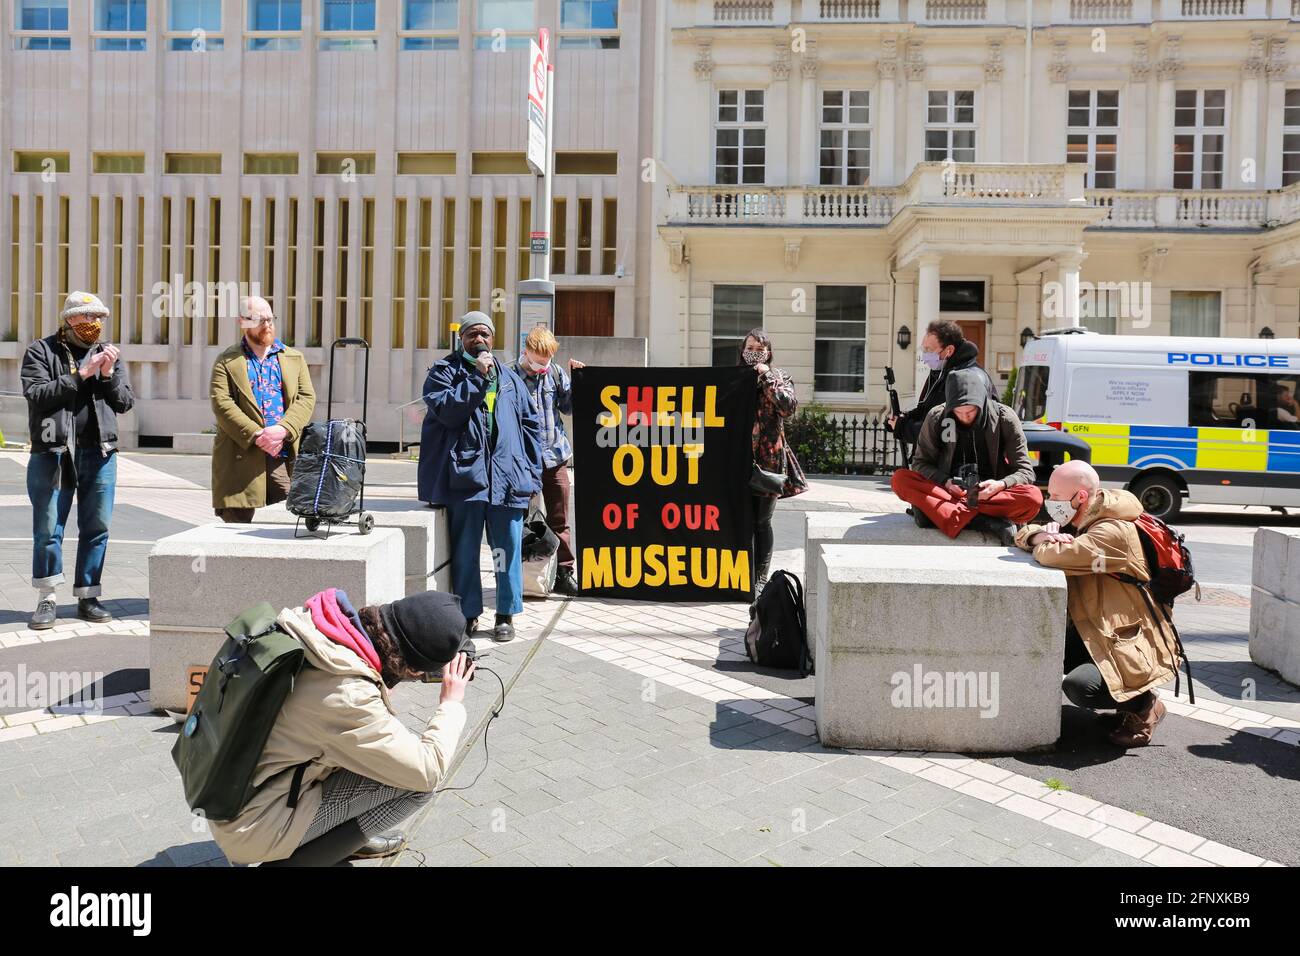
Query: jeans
[94, 486]
[505, 532]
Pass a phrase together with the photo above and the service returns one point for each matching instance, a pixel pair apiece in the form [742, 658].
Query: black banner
[662, 459]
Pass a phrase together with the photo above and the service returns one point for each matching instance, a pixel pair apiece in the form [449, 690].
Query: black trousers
[764, 507]
[1083, 683]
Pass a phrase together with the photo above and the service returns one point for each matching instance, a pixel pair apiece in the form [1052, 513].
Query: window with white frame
[1291, 138]
[950, 126]
[844, 145]
[840, 358]
[120, 25]
[736, 310]
[194, 25]
[348, 25]
[274, 25]
[430, 24]
[503, 24]
[589, 23]
[1092, 134]
[41, 25]
[1200, 133]
[740, 137]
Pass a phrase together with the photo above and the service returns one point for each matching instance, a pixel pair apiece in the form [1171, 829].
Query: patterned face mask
[753, 356]
[87, 333]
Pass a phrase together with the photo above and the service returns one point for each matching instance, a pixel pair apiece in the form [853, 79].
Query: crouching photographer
[971, 467]
[339, 768]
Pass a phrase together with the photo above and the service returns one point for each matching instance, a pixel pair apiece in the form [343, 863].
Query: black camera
[968, 478]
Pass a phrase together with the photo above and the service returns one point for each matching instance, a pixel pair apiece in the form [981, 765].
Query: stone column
[1068, 276]
[1245, 155]
[807, 163]
[1167, 71]
[1133, 115]
[882, 148]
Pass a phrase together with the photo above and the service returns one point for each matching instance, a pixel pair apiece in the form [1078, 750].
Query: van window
[1031, 392]
[1283, 404]
[1222, 401]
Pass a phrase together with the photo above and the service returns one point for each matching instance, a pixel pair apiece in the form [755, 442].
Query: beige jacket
[1133, 648]
[338, 716]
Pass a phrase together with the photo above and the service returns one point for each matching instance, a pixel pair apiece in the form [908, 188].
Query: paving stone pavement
[644, 774]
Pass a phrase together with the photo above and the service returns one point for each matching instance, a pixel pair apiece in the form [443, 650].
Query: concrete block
[201, 579]
[1276, 562]
[839, 527]
[424, 528]
[938, 648]
[193, 443]
[1275, 633]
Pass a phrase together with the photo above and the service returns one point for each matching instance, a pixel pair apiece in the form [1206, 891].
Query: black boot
[565, 584]
[471, 626]
[89, 609]
[920, 517]
[504, 630]
[329, 849]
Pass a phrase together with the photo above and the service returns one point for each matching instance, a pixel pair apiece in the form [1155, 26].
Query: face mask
[534, 367]
[1062, 512]
[933, 360]
[753, 356]
[87, 333]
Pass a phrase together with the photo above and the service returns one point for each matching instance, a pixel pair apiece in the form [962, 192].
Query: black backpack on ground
[778, 633]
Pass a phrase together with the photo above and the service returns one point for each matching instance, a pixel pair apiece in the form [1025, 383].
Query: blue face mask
[933, 360]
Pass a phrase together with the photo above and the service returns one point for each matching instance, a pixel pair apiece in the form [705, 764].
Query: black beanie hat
[429, 628]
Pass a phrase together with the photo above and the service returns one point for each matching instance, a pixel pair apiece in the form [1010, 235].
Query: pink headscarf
[331, 621]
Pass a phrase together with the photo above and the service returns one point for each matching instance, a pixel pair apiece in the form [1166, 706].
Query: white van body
[1172, 418]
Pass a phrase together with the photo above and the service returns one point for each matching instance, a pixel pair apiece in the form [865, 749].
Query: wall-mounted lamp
[1025, 335]
[1266, 333]
[904, 337]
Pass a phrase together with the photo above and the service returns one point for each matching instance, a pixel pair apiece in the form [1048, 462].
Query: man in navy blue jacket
[481, 458]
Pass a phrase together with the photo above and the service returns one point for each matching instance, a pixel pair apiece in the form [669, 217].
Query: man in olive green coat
[263, 398]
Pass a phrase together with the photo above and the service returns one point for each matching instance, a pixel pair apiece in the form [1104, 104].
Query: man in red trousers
[970, 435]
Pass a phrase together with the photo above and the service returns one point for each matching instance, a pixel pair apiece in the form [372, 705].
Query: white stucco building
[833, 170]
[837, 170]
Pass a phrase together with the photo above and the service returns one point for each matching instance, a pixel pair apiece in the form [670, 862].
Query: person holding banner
[481, 458]
[776, 472]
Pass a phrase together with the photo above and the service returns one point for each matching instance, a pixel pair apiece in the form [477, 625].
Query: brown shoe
[1137, 726]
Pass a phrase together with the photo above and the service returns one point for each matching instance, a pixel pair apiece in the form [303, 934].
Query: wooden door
[584, 312]
[974, 330]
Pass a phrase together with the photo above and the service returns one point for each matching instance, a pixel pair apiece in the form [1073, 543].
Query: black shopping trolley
[329, 475]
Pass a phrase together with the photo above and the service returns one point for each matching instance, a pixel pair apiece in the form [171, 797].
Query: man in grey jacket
[972, 437]
[75, 386]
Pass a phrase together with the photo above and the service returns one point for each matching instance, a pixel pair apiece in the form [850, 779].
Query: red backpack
[1169, 563]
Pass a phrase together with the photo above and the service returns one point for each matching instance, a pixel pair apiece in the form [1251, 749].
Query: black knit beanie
[429, 628]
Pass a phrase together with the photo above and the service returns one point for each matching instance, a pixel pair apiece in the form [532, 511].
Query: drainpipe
[1029, 55]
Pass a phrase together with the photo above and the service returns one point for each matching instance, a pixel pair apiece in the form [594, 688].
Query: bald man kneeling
[1117, 650]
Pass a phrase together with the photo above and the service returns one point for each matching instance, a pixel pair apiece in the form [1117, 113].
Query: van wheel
[1160, 496]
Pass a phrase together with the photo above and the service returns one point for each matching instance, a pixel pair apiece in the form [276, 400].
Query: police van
[1211, 421]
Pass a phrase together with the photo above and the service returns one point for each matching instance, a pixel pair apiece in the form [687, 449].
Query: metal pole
[550, 157]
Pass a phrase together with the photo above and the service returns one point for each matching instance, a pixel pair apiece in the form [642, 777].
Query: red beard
[263, 335]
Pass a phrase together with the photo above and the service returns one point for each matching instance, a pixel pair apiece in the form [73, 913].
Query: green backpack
[225, 733]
